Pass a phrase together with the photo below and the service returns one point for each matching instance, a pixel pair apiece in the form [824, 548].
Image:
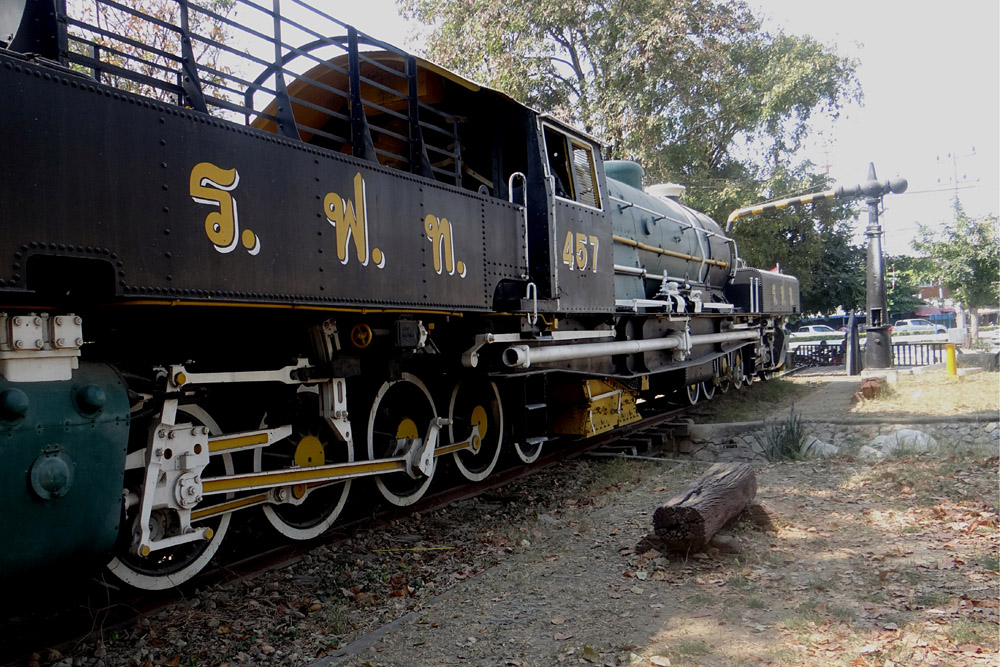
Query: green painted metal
[62, 460]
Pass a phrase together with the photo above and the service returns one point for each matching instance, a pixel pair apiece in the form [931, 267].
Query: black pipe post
[878, 348]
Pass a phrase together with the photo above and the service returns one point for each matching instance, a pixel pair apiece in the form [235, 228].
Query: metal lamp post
[879, 347]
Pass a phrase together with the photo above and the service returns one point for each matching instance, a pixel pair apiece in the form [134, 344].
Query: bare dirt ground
[889, 563]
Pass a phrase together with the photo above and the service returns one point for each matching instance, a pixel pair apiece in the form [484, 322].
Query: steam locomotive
[250, 261]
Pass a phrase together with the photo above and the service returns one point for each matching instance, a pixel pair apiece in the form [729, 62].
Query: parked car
[817, 330]
[925, 326]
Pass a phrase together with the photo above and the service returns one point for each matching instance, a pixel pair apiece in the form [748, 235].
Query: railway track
[63, 610]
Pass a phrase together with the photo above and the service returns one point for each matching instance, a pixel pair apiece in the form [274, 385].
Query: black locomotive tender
[247, 279]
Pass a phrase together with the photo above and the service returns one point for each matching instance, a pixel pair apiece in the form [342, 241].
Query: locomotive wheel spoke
[476, 402]
[166, 568]
[402, 410]
[312, 443]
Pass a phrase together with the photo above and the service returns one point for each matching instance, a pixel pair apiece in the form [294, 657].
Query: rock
[872, 387]
[705, 454]
[867, 453]
[813, 446]
[727, 544]
[904, 440]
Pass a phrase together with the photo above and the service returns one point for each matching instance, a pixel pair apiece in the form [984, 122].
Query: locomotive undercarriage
[212, 436]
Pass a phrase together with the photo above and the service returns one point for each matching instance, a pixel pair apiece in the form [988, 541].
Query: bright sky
[931, 78]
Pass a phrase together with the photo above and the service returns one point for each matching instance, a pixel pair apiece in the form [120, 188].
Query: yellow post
[950, 360]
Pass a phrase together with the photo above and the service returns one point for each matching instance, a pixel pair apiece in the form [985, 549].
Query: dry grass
[755, 403]
[935, 393]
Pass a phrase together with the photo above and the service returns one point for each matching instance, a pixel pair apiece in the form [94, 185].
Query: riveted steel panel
[181, 205]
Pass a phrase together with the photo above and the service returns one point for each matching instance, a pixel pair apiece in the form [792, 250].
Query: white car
[925, 326]
[817, 330]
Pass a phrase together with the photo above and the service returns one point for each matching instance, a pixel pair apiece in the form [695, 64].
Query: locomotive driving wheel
[737, 369]
[528, 452]
[399, 417]
[723, 372]
[708, 389]
[476, 402]
[309, 509]
[166, 568]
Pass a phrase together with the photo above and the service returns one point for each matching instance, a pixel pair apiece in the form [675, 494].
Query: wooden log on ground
[688, 520]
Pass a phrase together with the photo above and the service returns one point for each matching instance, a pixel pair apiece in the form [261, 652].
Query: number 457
[575, 251]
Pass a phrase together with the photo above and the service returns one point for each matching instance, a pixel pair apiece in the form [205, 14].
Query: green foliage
[965, 257]
[903, 275]
[148, 41]
[811, 242]
[694, 90]
[783, 438]
[670, 83]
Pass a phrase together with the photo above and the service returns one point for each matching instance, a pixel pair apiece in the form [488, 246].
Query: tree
[694, 90]
[139, 42]
[965, 258]
[670, 83]
[811, 242]
[904, 274]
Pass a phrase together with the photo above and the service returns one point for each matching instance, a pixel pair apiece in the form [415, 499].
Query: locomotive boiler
[241, 282]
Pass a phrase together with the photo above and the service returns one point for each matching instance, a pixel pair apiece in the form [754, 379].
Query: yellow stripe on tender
[284, 306]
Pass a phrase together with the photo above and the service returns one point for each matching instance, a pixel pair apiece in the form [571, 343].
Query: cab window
[571, 163]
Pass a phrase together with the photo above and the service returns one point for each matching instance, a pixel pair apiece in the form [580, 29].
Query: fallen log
[688, 520]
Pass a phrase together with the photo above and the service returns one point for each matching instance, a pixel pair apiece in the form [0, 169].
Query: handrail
[510, 198]
[670, 253]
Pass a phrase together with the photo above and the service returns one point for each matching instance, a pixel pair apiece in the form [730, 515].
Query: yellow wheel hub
[407, 429]
[309, 452]
[479, 419]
